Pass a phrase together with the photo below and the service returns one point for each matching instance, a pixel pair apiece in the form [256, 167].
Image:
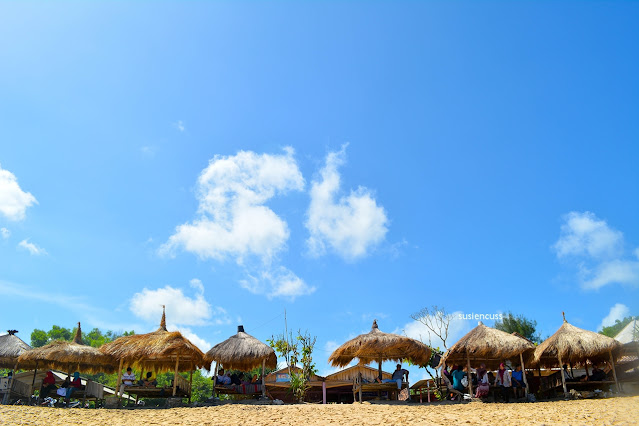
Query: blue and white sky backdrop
[342, 161]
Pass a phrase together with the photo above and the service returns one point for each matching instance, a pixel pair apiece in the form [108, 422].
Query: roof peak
[163, 320]
[78, 335]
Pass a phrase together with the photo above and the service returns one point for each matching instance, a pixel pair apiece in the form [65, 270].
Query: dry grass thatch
[70, 356]
[157, 351]
[575, 345]
[487, 345]
[379, 346]
[242, 352]
[11, 347]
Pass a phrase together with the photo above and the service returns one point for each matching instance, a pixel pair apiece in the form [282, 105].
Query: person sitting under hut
[398, 376]
[483, 386]
[458, 374]
[127, 379]
[48, 384]
[221, 378]
[149, 381]
[518, 381]
[597, 375]
[74, 385]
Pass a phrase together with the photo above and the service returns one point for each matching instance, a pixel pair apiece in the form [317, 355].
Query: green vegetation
[613, 330]
[520, 324]
[297, 350]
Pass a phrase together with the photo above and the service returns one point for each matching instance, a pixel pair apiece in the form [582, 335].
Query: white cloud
[5, 233]
[350, 226]
[330, 346]
[456, 329]
[618, 312]
[584, 234]
[32, 248]
[277, 282]
[180, 308]
[179, 125]
[597, 251]
[13, 200]
[148, 150]
[194, 338]
[233, 222]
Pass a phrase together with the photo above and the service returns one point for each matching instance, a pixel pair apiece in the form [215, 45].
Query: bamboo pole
[177, 362]
[379, 369]
[614, 372]
[323, 392]
[563, 379]
[190, 385]
[470, 377]
[264, 378]
[523, 368]
[119, 384]
[215, 378]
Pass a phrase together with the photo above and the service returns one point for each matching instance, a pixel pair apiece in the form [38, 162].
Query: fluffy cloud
[5, 233]
[277, 282]
[597, 251]
[232, 218]
[180, 308]
[350, 226]
[13, 200]
[456, 329]
[618, 312]
[179, 125]
[204, 345]
[32, 248]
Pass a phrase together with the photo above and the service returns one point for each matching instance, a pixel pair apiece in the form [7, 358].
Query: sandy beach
[613, 411]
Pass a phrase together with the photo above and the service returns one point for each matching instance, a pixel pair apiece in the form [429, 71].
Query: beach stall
[242, 352]
[377, 346]
[11, 347]
[161, 350]
[489, 346]
[278, 385]
[69, 357]
[572, 345]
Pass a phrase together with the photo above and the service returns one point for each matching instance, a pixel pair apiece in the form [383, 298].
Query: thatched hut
[379, 346]
[69, 356]
[573, 345]
[11, 347]
[242, 352]
[489, 346]
[161, 350]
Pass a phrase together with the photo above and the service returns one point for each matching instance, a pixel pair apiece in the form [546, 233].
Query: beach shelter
[242, 352]
[11, 347]
[570, 345]
[69, 356]
[379, 346]
[489, 346]
[160, 350]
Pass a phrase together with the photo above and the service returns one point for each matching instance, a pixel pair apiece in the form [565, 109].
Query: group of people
[66, 389]
[129, 379]
[504, 379]
[235, 378]
[596, 375]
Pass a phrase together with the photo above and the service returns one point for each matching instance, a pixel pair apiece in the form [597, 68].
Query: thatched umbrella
[161, 350]
[11, 347]
[379, 346]
[242, 352]
[488, 345]
[571, 345]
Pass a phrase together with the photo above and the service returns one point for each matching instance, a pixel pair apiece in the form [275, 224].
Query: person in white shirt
[504, 381]
[127, 379]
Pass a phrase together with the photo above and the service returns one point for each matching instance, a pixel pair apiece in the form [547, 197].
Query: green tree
[613, 330]
[59, 333]
[39, 338]
[520, 324]
[297, 350]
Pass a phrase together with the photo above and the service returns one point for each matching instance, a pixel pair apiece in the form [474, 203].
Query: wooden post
[264, 378]
[614, 372]
[190, 385]
[470, 377]
[323, 392]
[215, 378]
[35, 371]
[561, 371]
[379, 369]
[523, 368]
[360, 382]
[118, 385]
[586, 368]
[177, 362]
[427, 390]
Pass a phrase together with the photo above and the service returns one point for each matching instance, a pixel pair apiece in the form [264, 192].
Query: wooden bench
[360, 387]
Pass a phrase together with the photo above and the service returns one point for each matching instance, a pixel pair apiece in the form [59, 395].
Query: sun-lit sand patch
[613, 411]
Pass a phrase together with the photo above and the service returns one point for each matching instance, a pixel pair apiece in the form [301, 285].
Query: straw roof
[487, 345]
[242, 352]
[68, 356]
[158, 350]
[575, 345]
[11, 347]
[379, 346]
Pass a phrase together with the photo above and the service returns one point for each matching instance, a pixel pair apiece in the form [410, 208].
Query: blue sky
[342, 161]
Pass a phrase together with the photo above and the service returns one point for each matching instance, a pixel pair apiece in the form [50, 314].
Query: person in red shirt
[48, 384]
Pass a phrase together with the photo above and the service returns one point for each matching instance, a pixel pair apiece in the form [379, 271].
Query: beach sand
[613, 411]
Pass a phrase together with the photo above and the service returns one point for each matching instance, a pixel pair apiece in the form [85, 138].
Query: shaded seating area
[379, 346]
[277, 386]
[11, 347]
[488, 346]
[241, 352]
[158, 351]
[572, 346]
[339, 385]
